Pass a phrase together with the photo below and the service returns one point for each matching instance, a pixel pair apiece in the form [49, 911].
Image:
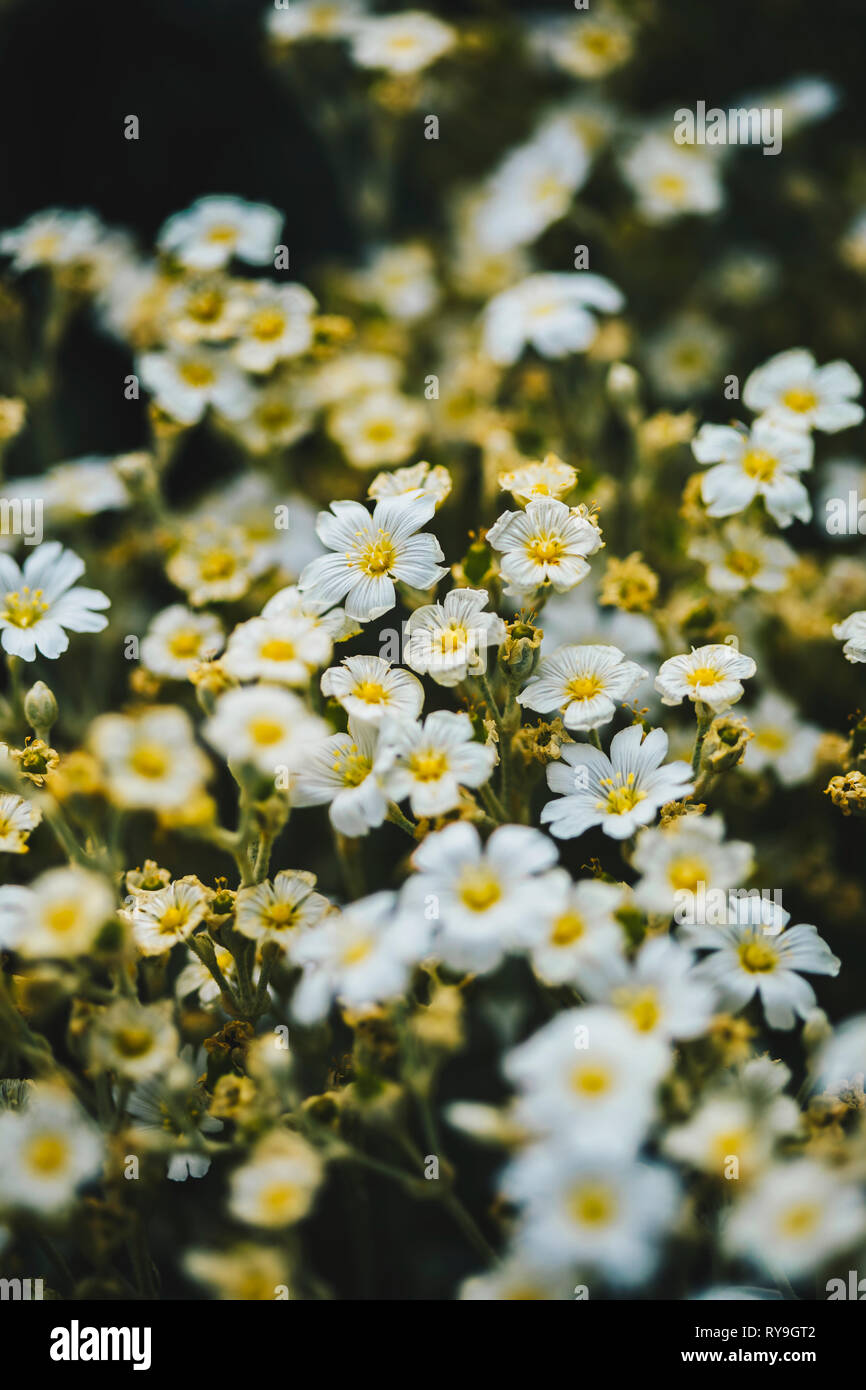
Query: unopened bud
[40, 709]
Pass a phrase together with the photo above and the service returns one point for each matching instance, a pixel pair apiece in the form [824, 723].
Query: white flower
[276, 1186]
[160, 920]
[400, 43]
[149, 758]
[134, 1040]
[339, 772]
[514, 1279]
[207, 235]
[37, 602]
[842, 1058]
[265, 726]
[795, 1217]
[853, 633]
[619, 793]
[277, 324]
[532, 188]
[178, 639]
[587, 45]
[711, 675]
[279, 414]
[481, 895]
[378, 428]
[749, 958]
[353, 374]
[545, 544]
[430, 762]
[17, 818]
[671, 180]
[56, 237]
[184, 383]
[798, 394]
[400, 279]
[763, 462]
[419, 477]
[361, 956]
[47, 1150]
[584, 683]
[81, 487]
[313, 19]
[281, 646]
[605, 1212]
[690, 851]
[656, 993]
[730, 1125]
[368, 688]
[743, 557]
[58, 916]
[291, 603]
[687, 356]
[449, 640]
[213, 562]
[572, 929]
[781, 740]
[549, 311]
[372, 552]
[280, 911]
[549, 477]
[586, 1076]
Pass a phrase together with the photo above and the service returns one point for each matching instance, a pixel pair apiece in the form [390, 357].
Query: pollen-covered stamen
[800, 399]
[622, 794]
[757, 957]
[704, 675]
[584, 687]
[759, 465]
[24, 607]
[545, 549]
[353, 766]
[376, 557]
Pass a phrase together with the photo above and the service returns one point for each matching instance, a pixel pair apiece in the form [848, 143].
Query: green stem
[396, 817]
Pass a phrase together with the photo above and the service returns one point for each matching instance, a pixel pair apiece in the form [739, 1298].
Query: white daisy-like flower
[448, 641]
[687, 356]
[313, 19]
[265, 726]
[355, 374]
[400, 43]
[730, 1125]
[280, 413]
[781, 740]
[281, 910]
[17, 818]
[549, 477]
[205, 309]
[214, 229]
[479, 894]
[514, 1279]
[712, 675]
[588, 1076]
[195, 978]
[47, 1150]
[56, 237]
[434, 482]
[532, 188]
[361, 956]
[546, 544]
[573, 930]
[587, 45]
[378, 428]
[150, 758]
[277, 324]
[279, 646]
[656, 992]
[795, 1217]
[619, 793]
[692, 850]
[400, 279]
[338, 772]
[584, 683]
[134, 1040]
[749, 958]
[373, 552]
[369, 687]
[670, 180]
[275, 1188]
[185, 382]
[58, 916]
[761, 462]
[852, 631]
[160, 920]
[213, 562]
[792, 390]
[549, 311]
[291, 603]
[742, 557]
[178, 639]
[430, 762]
[38, 602]
[80, 487]
[604, 1213]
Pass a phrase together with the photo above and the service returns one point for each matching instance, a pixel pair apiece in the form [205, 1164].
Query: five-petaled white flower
[792, 390]
[761, 462]
[584, 683]
[339, 772]
[449, 640]
[430, 762]
[207, 235]
[711, 675]
[369, 687]
[619, 793]
[545, 544]
[852, 631]
[743, 557]
[549, 312]
[37, 602]
[373, 552]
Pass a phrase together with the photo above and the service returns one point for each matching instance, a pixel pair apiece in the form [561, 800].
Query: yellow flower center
[133, 1042]
[671, 186]
[61, 919]
[282, 1201]
[149, 760]
[590, 1080]
[357, 951]
[205, 306]
[184, 643]
[217, 564]
[371, 692]
[24, 607]
[354, 767]
[800, 399]
[47, 1154]
[479, 889]
[800, 1220]
[428, 765]
[377, 556]
[757, 957]
[453, 638]
[379, 431]
[642, 1009]
[171, 919]
[591, 1204]
[567, 928]
[277, 649]
[545, 550]
[622, 795]
[274, 415]
[265, 731]
[759, 465]
[223, 234]
[743, 562]
[198, 374]
[774, 740]
[703, 675]
[267, 325]
[584, 687]
[687, 873]
[282, 916]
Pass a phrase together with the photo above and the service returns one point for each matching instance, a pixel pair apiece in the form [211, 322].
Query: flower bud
[725, 743]
[40, 709]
